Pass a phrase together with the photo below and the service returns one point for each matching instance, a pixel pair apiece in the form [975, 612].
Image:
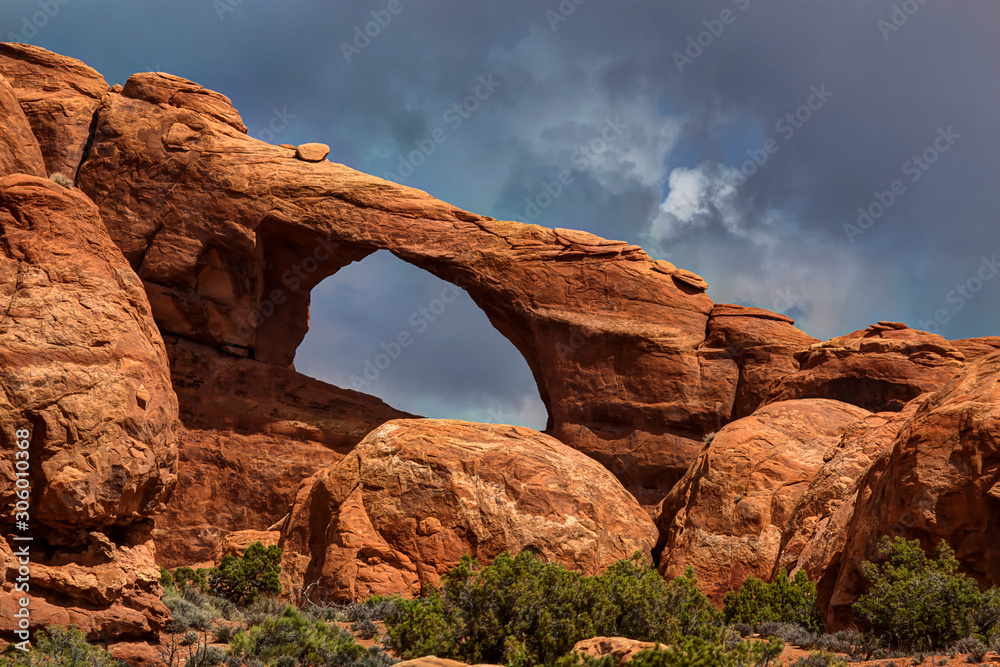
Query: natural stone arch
[611, 336]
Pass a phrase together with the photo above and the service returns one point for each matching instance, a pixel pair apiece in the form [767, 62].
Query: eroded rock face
[761, 344]
[813, 539]
[727, 515]
[229, 482]
[59, 96]
[880, 368]
[415, 495]
[938, 481]
[19, 151]
[252, 433]
[83, 368]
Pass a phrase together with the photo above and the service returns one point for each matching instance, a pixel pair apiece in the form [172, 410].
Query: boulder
[84, 374]
[880, 368]
[814, 537]
[727, 515]
[416, 495]
[235, 543]
[939, 481]
[620, 649]
[312, 152]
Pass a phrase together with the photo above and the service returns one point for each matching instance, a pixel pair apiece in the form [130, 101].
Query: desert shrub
[523, 611]
[972, 647]
[58, 647]
[819, 659]
[366, 628]
[783, 600]
[261, 609]
[224, 632]
[186, 615]
[918, 603]
[844, 641]
[62, 179]
[375, 608]
[245, 578]
[792, 633]
[296, 640]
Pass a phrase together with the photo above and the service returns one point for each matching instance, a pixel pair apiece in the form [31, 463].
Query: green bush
[293, 639]
[920, 603]
[244, 579]
[522, 611]
[783, 600]
[58, 647]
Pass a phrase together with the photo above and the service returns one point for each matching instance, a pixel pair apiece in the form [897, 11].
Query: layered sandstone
[416, 495]
[879, 368]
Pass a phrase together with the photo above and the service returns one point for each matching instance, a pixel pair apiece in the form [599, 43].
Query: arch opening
[384, 327]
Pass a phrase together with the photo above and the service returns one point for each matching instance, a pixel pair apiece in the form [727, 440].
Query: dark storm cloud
[901, 73]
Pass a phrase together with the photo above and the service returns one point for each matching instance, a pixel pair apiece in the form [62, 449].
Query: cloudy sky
[828, 160]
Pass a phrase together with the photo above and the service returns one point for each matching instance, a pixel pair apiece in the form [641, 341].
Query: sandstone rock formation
[761, 344]
[621, 649]
[814, 536]
[940, 480]
[252, 432]
[83, 368]
[727, 515]
[59, 96]
[19, 151]
[879, 368]
[415, 495]
[434, 661]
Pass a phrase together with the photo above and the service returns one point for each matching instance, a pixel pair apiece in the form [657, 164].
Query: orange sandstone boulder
[727, 515]
[416, 495]
[19, 151]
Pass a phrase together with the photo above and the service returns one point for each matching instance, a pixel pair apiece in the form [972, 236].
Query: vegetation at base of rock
[243, 579]
[291, 639]
[62, 179]
[691, 651]
[521, 611]
[783, 600]
[916, 603]
[58, 647]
